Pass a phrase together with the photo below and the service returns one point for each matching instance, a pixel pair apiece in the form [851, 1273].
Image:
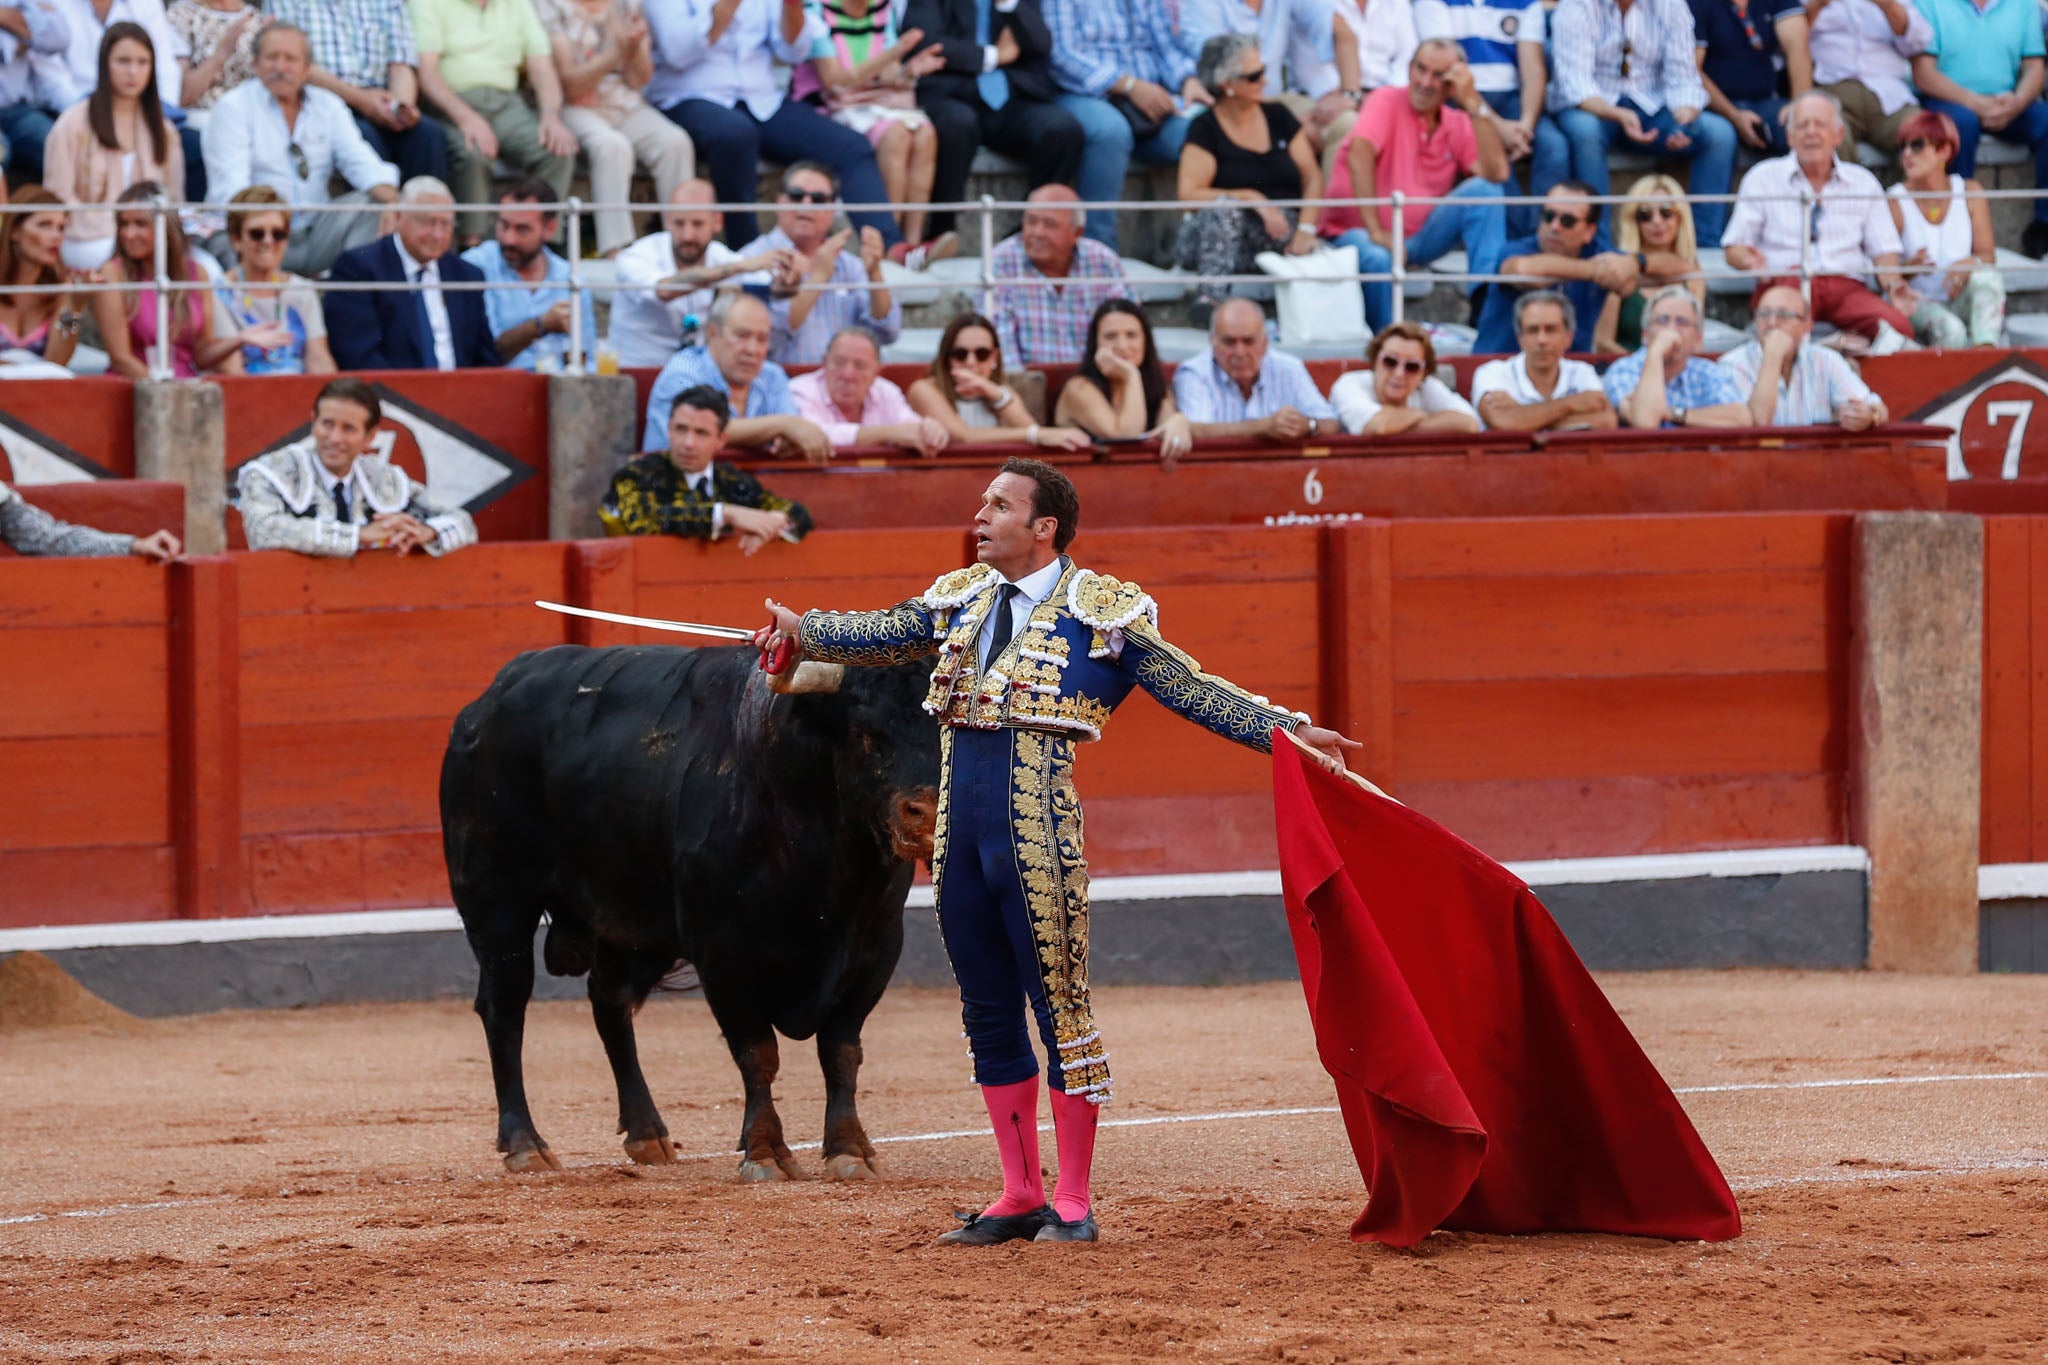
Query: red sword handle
[777, 658]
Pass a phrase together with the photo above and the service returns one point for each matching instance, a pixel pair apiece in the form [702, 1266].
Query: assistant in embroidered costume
[1034, 652]
[331, 495]
[684, 492]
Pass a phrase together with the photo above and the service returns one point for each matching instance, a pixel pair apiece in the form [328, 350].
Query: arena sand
[320, 1186]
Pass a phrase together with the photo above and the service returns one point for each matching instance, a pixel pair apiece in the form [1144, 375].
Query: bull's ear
[808, 676]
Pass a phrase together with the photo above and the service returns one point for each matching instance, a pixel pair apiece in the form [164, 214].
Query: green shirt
[481, 47]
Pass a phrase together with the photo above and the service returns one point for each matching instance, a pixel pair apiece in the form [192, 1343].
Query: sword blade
[650, 622]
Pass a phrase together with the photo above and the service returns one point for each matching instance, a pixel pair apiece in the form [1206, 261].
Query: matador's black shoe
[980, 1230]
[1058, 1229]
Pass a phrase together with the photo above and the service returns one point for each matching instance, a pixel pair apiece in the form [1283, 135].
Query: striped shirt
[1040, 325]
[1204, 393]
[1486, 33]
[1822, 380]
[1701, 384]
[1586, 38]
[1850, 225]
[1096, 43]
[357, 41]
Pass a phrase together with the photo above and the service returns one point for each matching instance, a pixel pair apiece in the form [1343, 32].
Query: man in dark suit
[427, 328]
[996, 89]
[682, 491]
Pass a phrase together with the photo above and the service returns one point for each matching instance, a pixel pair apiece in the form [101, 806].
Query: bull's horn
[807, 676]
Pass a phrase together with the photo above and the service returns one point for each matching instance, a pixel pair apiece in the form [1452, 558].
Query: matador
[1034, 653]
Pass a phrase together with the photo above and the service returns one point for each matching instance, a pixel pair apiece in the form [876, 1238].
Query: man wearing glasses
[821, 287]
[1850, 230]
[1568, 252]
[1790, 381]
[277, 131]
[1665, 384]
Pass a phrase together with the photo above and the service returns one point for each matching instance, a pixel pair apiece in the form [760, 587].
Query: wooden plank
[62, 682]
[276, 582]
[60, 593]
[109, 790]
[1618, 727]
[324, 873]
[1517, 547]
[905, 562]
[2008, 756]
[1613, 625]
[86, 885]
[1171, 558]
[2037, 688]
[1132, 836]
[602, 577]
[206, 741]
[342, 776]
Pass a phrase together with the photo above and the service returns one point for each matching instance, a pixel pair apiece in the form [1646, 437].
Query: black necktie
[341, 512]
[1001, 639]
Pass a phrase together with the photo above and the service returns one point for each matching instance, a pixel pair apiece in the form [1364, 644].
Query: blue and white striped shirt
[1095, 43]
[1586, 41]
[1701, 384]
[1204, 393]
[1486, 33]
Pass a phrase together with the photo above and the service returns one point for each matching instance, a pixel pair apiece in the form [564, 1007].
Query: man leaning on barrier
[1790, 381]
[1241, 387]
[1541, 389]
[847, 398]
[28, 530]
[1666, 384]
[332, 495]
[734, 360]
[685, 491]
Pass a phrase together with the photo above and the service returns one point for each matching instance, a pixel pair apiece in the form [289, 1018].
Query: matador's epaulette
[1108, 605]
[950, 591]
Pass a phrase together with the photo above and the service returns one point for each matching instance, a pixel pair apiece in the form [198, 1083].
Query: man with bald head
[1241, 387]
[734, 361]
[1049, 282]
[1850, 233]
[667, 277]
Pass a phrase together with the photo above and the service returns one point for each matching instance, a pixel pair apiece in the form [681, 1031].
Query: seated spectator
[807, 318]
[1742, 50]
[1120, 393]
[1398, 390]
[24, 121]
[260, 298]
[429, 328]
[114, 139]
[965, 392]
[1850, 232]
[1407, 140]
[28, 530]
[1241, 152]
[332, 495]
[847, 399]
[363, 51]
[1240, 387]
[61, 80]
[1364, 56]
[1790, 381]
[1123, 75]
[202, 338]
[1541, 389]
[45, 321]
[1569, 251]
[1503, 42]
[714, 74]
[684, 491]
[1008, 107]
[605, 58]
[1062, 279]
[472, 62]
[1666, 383]
[281, 132]
[665, 279]
[1983, 67]
[734, 360]
[220, 38]
[1957, 294]
[531, 323]
[1862, 55]
[1635, 80]
[1654, 226]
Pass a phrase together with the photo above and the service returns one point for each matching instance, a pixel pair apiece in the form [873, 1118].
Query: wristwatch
[1678, 416]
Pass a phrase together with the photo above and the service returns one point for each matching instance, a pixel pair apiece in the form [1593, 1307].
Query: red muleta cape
[1486, 1083]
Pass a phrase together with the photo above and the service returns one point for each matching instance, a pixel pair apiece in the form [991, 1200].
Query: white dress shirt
[1851, 225]
[737, 69]
[645, 331]
[1853, 41]
[49, 32]
[1511, 376]
[1032, 589]
[248, 143]
[1385, 30]
[436, 306]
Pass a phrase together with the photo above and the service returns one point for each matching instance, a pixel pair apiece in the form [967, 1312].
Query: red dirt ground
[320, 1186]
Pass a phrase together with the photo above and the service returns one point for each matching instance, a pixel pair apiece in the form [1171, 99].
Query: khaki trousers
[646, 137]
[1866, 119]
[519, 146]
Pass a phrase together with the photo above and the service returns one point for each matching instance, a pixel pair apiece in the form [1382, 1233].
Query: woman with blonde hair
[201, 339]
[1655, 226]
[278, 313]
[115, 138]
[45, 322]
[965, 392]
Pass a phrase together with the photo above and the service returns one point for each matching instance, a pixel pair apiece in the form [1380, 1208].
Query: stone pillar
[591, 432]
[181, 436]
[1916, 732]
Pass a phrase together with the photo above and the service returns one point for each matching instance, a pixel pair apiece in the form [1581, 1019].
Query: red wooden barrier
[2015, 754]
[52, 426]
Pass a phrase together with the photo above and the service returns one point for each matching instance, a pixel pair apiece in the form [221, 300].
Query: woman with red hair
[1956, 295]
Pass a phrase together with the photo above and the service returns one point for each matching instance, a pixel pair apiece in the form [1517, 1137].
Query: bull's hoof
[851, 1166]
[654, 1151]
[531, 1160]
[755, 1172]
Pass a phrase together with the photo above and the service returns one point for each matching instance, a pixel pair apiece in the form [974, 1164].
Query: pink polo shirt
[1411, 159]
[886, 405]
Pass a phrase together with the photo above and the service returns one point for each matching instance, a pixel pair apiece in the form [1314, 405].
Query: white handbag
[1317, 310]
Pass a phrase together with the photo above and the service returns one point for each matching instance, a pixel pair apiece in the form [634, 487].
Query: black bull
[664, 806]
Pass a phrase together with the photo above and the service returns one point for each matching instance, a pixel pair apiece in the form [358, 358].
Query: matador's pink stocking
[1013, 1112]
[1073, 1121]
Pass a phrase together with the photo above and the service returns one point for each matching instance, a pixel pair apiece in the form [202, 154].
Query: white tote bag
[1314, 311]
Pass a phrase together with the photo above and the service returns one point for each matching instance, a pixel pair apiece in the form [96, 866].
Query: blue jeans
[1774, 131]
[1106, 151]
[2030, 129]
[1479, 225]
[420, 150]
[730, 142]
[1550, 159]
[25, 127]
[1711, 151]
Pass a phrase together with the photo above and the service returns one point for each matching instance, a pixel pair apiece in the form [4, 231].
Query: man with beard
[667, 277]
[531, 322]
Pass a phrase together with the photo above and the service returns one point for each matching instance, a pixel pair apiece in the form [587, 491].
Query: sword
[772, 660]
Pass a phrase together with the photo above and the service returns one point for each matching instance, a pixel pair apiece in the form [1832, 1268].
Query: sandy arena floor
[320, 1186]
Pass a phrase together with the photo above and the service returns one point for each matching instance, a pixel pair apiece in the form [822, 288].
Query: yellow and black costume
[651, 497]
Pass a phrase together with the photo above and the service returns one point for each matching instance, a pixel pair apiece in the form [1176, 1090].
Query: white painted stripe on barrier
[2012, 881]
[1754, 862]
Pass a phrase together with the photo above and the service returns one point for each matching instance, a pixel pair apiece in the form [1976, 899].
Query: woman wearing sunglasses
[115, 138]
[1958, 296]
[1655, 225]
[1398, 390]
[1120, 391]
[277, 314]
[965, 392]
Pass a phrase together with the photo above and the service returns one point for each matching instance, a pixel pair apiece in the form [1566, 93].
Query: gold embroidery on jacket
[1179, 683]
[894, 635]
[1053, 875]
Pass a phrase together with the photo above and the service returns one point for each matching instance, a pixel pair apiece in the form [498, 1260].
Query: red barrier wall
[86, 423]
[2015, 755]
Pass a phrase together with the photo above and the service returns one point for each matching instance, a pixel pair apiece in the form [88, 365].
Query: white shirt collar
[1037, 585]
[412, 267]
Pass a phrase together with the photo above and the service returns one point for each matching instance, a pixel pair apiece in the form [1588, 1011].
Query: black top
[1271, 172]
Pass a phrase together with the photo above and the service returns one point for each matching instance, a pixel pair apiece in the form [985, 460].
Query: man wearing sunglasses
[278, 131]
[1569, 252]
[1790, 381]
[823, 291]
[1666, 384]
